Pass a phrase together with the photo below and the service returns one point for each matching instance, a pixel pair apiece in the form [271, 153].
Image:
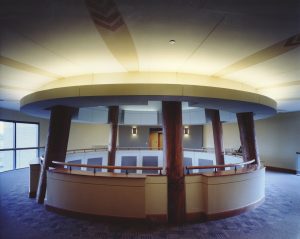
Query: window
[19, 144]
[27, 135]
[6, 135]
[6, 160]
[25, 156]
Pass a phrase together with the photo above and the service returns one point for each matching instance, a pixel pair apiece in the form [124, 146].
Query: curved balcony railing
[195, 160]
[127, 168]
[227, 151]
[94, 167]
[215, 167]
[87, 150]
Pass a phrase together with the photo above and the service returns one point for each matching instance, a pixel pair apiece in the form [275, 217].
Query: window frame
[15, 149]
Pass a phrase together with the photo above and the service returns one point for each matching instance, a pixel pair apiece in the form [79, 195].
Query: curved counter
[208, 196]
[108, 194]
[215, 196]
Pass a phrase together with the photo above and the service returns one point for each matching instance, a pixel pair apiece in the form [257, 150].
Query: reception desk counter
[108, 194]
[137, 196]
[224, 194]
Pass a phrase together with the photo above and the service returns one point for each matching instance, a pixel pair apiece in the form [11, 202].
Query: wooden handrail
[205, 150]
[10, 149]
[126, 168]
[235, 165]
[73, 151]
[139, 148]
[103, 148]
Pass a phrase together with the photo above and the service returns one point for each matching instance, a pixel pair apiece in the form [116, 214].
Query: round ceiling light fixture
[172, 42]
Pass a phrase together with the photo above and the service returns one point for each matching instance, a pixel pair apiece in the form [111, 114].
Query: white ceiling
[254, 42]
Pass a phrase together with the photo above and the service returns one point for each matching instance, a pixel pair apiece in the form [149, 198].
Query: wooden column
[172, 132]
[57, 143]
[247, 136]
[218, 135]
[113, 118]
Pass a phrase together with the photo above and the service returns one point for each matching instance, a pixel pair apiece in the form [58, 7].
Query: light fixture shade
[134, 130]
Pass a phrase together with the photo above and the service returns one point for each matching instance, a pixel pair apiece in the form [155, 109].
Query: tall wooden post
[247, 136]
[57, 143]
[172, 132]
[113, 118]
[218, 135]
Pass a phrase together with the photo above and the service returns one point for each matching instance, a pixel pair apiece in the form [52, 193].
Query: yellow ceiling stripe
[25, 67]
[262, 55]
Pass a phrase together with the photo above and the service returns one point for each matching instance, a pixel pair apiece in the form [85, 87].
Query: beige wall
[278, 139]
[81, 135]
[88, 135]
[231, 137]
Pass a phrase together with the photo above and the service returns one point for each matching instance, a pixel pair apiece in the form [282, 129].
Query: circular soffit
[39, 103]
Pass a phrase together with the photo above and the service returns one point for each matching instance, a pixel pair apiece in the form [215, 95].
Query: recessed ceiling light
[172, 42]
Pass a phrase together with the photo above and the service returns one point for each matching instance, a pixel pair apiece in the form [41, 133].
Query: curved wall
[218, 196]
[140, 196]
[117, 195]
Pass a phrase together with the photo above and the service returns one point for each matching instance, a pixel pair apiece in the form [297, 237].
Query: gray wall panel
[194, 140]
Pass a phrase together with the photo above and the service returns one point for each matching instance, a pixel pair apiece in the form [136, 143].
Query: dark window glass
[150, 161]
[94, 161]
[128, 161]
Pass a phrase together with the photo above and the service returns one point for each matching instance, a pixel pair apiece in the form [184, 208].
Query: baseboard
[201, 217]
[157, 218]
[196, 217]
[231, 213]
[283, 170]
[149, 218]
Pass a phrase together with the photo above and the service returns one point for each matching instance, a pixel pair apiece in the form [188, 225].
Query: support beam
[57, 143]
[113, 118]
[172, 132]
[247, 136]
[218, 135]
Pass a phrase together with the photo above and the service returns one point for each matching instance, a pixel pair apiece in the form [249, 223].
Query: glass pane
[94, 161]
[150, 161]
[6, 135]
[128, 161]
[6, 160]
[27, 135]
[25, 157]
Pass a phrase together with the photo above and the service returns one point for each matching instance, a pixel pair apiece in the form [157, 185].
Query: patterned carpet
[278, 217]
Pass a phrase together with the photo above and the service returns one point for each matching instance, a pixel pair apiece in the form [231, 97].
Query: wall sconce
[186, 131]
[134, 131]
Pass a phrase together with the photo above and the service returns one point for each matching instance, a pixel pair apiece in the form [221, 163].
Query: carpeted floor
[278, 217]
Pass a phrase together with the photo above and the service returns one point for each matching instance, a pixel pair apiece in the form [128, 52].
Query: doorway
[155, 138]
